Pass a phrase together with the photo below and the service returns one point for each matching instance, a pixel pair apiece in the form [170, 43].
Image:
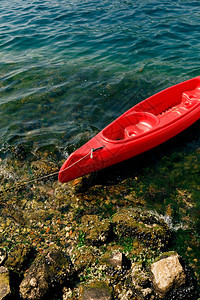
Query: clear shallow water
[69, 68]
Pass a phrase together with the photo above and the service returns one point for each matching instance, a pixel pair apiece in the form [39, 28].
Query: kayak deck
[145, 117]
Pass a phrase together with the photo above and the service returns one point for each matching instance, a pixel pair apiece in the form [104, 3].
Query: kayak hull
[144, 126]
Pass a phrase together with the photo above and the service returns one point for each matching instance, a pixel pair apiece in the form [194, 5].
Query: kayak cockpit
[130, 125]
[147, 114]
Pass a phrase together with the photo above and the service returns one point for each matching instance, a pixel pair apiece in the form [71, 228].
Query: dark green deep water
[68, 68]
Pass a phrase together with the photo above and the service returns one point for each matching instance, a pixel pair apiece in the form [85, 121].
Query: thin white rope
[60, 171]
[55, 173]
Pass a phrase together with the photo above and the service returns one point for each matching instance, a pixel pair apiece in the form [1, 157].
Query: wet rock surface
[141, 225]
[49, 270]
[3, 256]
[97, 290]
[5, 289]
[141, 280]
[96, 231]
[20, 258]
[59, 240]
[114, 258]
[83, 257]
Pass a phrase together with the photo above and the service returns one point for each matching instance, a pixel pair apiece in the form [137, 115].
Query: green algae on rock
[83, 257]
[98, 226]
[144, 226]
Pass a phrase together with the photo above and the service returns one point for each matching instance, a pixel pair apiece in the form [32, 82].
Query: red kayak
[144, 126]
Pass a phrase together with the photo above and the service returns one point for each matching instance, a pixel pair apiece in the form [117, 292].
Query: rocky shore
[84, 241]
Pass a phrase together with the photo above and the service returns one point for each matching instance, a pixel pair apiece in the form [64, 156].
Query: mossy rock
[96, 232]
[50, 269]
[137, 248]
[83, 257]
[20, 258]
[5, 290]
[141, 225]
[165, 255]
[96, 290]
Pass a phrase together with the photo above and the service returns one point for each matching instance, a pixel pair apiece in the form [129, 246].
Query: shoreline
[42, 215]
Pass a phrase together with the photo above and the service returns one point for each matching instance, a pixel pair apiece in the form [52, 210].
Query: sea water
[68, 68]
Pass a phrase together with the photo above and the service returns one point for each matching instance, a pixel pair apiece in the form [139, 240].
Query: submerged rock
[96, 290]
[4, 283]
[42, 168]
[49, 270]
[167, 274]
[96, 231]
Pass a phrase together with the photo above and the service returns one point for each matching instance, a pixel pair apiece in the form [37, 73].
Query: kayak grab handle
[95, 149]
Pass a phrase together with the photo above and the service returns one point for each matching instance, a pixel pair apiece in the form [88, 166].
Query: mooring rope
[55, 173]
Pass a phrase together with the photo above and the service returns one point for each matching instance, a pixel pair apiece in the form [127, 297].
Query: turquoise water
[68, 68]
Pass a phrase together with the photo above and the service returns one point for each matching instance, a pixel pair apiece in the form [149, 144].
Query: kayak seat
[129, 125]
[139, 124]
[134, 130]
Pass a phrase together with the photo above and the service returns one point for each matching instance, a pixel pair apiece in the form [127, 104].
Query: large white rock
[167, 273]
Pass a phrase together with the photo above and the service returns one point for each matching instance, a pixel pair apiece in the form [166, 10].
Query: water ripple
[63, 63]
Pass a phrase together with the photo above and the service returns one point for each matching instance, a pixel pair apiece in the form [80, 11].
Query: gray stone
[167, 273]
[4, 283]
[116, 259]
[113, 258]
[97, 290]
